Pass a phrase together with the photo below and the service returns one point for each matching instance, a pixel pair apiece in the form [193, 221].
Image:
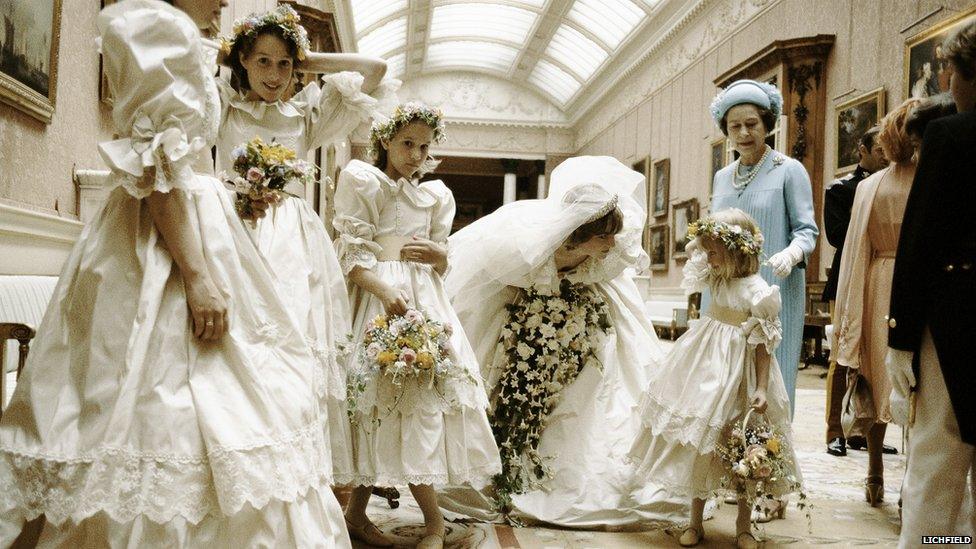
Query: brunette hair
[382, 156]
[244, 45]
[611, 223]
[895, 140]
[932, 107]
[767, 116]
[960, 49]
[734, 263]
[867, 139]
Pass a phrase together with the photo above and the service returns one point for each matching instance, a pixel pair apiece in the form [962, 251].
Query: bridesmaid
[866, 268]
[264, 54]
[775, 190]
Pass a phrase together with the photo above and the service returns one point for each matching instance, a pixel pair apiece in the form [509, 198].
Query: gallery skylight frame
[576, 52]
[556, 82]
[490, 56]
[367, 13]
[386, 39]
[467, 21]
[611, 21]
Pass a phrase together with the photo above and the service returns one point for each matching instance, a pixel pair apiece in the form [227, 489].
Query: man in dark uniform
[838, 201]
[932, 317]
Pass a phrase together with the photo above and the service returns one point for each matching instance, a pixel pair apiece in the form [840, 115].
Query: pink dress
[865, 278]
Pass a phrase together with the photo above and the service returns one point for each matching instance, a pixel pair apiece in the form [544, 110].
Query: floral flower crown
[734, 237]
[403, 115]
[284, 17]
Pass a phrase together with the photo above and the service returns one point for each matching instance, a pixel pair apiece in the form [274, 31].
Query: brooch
[778, 160]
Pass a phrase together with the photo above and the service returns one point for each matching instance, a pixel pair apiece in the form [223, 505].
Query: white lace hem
[477, 478]
[125, 484]
[330, 376]
[674, 426]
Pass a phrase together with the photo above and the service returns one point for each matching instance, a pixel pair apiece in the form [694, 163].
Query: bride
[564, 347]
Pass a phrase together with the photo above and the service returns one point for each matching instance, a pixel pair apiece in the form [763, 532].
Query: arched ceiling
[557, 47]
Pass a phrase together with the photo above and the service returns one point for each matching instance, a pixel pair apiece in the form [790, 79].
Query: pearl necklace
[753, 173]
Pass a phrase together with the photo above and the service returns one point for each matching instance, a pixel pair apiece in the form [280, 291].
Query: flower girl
[264, 54]
[723, 366]
[390, 242]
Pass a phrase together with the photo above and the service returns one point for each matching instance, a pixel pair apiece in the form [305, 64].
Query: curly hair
[895, 140]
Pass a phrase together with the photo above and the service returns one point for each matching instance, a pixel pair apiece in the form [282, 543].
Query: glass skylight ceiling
[492, 36]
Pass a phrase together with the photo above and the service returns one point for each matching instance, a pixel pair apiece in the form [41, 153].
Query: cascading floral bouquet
[757, 468]
[263, 171]
[404, 348]
[548, 340]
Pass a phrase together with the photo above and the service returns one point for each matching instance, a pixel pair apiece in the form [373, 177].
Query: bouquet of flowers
[263, 171]
[408, 347]
[755, 459]
[548, 340]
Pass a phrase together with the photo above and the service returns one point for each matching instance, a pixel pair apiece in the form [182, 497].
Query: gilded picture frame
[29, 56]
[658, 245]
[853, 118]
[661, 187]
[683, 214]
[925, 71]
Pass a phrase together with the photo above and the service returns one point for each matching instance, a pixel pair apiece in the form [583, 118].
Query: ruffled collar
[295, 107]
[417, 193]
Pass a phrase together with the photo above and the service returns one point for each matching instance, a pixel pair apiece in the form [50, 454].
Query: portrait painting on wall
[719, 159]
[29, 41]
[854, 118]
[927, 71]
[662, 177]
[658, 246]
[684, 214]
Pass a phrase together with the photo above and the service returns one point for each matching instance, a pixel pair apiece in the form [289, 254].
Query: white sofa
[23, 299]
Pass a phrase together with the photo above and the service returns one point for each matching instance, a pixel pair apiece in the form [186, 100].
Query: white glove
[899, 367]
[784, 261]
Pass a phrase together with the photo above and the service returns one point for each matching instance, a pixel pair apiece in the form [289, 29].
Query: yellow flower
[773, 445]
[425, 360]
[380, 321]
[386, 358]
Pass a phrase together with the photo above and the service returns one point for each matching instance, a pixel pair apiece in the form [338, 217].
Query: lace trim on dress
[330, 376]
[701, 432]
[125, 484]
[763, 331]
[478, 478]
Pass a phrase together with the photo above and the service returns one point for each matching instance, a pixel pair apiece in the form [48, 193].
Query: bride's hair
[611, 223]
[734, 263]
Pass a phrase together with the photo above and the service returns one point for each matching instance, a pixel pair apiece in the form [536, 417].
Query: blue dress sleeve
[798, 195]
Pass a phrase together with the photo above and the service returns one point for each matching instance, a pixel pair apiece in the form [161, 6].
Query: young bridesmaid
[264, 54]
[392, 232]
[723, 366]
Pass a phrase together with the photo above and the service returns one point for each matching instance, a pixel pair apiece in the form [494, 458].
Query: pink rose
[255, 174]
[408, 355]
[414, 317]
[763, 471]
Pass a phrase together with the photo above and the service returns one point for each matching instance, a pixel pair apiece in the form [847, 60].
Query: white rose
[524, 350]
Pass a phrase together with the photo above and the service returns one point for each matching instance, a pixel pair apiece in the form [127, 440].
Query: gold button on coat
[892, 323]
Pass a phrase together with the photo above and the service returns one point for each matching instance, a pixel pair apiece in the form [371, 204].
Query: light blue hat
[756, 93]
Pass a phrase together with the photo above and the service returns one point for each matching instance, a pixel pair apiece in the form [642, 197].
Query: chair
[23, 334]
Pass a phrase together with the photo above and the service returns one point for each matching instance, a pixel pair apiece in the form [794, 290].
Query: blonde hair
[734, 263]
[895, 140]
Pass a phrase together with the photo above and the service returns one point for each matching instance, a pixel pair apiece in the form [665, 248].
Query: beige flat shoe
[369, 534]
[433, 541]
[690, 537]
[770, 512]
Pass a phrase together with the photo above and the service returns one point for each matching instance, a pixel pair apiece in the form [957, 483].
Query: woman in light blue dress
[775, 190]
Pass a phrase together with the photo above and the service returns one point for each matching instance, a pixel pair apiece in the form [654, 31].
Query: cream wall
[660, 110]
[36, 158]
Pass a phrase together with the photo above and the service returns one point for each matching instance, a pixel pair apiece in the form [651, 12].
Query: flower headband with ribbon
[284, 17]
[734, 237]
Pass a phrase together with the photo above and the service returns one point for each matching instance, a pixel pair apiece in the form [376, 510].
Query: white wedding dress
[125, 430]
[593, 425]
[292, 236]
[423, 436]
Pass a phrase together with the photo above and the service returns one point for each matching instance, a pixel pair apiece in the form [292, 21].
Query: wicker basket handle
[745, 423]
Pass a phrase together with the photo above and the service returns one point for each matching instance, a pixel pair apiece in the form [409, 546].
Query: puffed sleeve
[763, 326]
[442, 217]
[695, 273]
[154, 66]
[358, 200]
[798, 194]
[336, 105]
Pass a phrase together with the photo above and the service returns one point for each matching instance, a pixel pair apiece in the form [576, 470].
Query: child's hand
[394, 300]
[759, 401]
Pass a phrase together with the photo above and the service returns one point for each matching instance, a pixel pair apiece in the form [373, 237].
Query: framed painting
[854, 118]
[641, 167]
[658, 246]
[29, 55]
[927, 71]
[662, 183]
[718, 152]
[683, 214]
